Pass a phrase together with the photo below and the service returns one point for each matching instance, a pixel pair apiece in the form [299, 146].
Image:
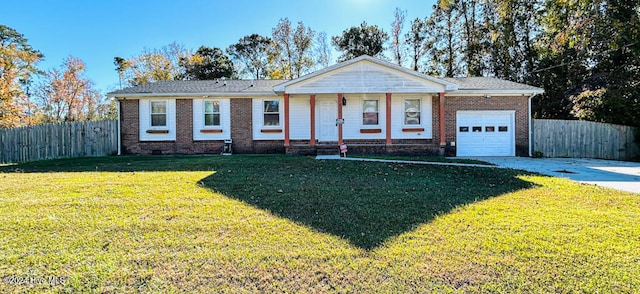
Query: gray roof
[266, 87]
[202, 87]
[487, 83]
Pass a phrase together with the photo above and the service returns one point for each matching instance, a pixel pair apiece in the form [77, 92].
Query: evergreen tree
[362, 40]
[208, 64]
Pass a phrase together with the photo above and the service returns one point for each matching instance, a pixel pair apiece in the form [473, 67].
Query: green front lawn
[290, 224]
[424, 158]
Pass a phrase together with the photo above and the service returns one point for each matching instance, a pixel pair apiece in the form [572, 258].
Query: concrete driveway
[620, 175]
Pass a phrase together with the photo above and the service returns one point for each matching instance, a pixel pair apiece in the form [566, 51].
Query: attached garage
[485, 133]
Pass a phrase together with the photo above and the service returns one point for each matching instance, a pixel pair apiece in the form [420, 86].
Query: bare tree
[322, 50]
[397, 44]
[65, 94]
[302, 44]
[282, 56]
[292, 53]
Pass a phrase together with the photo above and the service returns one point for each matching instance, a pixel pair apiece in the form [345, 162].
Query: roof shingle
[221, 87]
[201, 87]
[488, 83]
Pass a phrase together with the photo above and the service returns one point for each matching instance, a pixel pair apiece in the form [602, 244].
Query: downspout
[118, 126]
[388, 119]
[531, 126]
[286, 121]
[441, 121]
[340, 97]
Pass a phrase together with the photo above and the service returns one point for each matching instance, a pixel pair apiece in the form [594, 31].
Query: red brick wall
[129, 126]
[435, 127]
[517, 103]
[242, 127]
[242, 130]
[184, 144]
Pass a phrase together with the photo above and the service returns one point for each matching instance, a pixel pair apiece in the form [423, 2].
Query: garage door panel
[485, 133]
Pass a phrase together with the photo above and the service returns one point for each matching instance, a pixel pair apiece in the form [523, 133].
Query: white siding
[365, 77]
[300, 125]
[397, 117]
[352, 114]
[258, 121]
[145, 120]
[198, 121]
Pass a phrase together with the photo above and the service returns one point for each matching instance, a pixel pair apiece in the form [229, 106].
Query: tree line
[30, 96]
[584, 53]
[290, 52]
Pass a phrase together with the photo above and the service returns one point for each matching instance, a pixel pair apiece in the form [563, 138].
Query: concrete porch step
[327, 150]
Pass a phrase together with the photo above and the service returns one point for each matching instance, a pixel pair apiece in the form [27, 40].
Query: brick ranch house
[370, 105]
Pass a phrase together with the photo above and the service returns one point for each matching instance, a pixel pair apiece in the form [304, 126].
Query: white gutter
[194, 95]
[512, 92]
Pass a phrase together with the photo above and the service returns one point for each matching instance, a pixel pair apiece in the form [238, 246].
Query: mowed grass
[295, 224]
[425, 158]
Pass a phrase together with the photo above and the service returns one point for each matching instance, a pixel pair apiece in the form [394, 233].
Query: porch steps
[367, 149]
[320, 149]
[327, 150]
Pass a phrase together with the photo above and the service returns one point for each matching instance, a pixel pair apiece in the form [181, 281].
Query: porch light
[344, 101]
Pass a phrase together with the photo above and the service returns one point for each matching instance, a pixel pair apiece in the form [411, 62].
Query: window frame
[264, 112]
[377, 112]
[165, 113]
[204, 114]
[404, 119]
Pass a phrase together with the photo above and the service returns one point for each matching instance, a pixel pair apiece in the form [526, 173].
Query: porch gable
[365, 75]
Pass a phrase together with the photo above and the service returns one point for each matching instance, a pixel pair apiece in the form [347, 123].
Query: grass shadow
[365, 203]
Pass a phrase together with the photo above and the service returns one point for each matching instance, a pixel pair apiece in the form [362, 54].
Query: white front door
[327, 113]
[485, 133]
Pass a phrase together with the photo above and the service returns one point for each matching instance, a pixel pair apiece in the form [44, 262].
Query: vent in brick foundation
[156, 152]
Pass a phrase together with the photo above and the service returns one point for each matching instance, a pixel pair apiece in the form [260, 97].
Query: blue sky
[97, 31]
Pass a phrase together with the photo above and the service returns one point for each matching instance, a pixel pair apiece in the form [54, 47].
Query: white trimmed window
[158, 113]
[271, 113]
[412, 111]
[370, 112]
[211, 113]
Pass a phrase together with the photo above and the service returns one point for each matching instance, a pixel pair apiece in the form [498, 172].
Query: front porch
[370, 105]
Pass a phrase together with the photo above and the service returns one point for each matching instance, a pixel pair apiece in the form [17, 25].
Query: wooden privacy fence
[59, 140]
[584, 139]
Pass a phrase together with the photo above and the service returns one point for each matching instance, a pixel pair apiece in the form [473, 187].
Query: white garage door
[485, 133]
